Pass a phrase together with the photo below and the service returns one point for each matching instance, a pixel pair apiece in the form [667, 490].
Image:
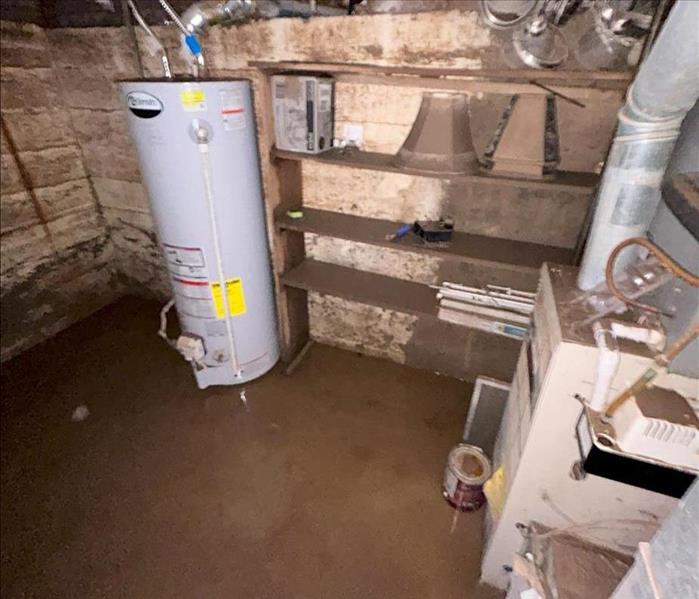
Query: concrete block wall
[88, 62]
[56, 256]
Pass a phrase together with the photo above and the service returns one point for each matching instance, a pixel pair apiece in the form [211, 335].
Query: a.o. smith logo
[144, 105]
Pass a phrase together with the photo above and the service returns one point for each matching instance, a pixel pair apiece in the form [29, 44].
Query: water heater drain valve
[191, 347]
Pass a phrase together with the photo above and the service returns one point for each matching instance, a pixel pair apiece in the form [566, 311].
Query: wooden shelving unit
[582, 85]
[375, 161]
[444, 347]
[464, 247]
[364, 287]
[295, 275]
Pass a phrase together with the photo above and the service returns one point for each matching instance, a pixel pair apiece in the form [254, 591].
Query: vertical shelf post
[282, 185]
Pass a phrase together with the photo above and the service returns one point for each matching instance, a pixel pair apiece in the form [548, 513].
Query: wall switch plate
[353, 134]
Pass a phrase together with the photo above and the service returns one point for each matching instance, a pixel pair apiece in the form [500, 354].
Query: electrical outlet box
[353, 134]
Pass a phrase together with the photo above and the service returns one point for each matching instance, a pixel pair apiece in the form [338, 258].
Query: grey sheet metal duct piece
[440, 139]
[664, 90]
[525, 143]
[675, 228]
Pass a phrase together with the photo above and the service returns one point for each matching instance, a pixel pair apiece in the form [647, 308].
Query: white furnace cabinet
[537, 445]
[197, 150]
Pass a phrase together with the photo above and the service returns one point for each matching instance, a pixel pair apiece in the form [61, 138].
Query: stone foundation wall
[56, 255]
[88, 62]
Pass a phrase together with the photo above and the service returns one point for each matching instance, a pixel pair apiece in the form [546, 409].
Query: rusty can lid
[469, 464]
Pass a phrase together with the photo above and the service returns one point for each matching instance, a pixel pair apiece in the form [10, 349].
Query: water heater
[197, 152]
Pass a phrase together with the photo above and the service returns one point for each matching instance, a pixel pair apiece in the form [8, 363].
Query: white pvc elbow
[607, 364]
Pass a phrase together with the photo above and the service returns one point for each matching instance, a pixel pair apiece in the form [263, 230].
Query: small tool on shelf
[428, 231]
[434, 231]
[402, 231]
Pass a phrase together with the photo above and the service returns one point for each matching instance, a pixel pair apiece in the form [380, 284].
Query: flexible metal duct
[664, 90]
[205, 13]
[201, 15]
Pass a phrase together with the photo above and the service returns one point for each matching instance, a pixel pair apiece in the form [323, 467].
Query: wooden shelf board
[441, 345]
[464, 247]
[375, 161]
[363, 287]
[611, 80]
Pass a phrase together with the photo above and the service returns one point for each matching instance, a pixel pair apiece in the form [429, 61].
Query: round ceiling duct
[503, 14]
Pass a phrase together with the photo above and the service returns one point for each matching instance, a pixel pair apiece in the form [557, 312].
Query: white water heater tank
[197, 151]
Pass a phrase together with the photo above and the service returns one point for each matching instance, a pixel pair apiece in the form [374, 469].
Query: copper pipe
[659, 363]
[661, 256]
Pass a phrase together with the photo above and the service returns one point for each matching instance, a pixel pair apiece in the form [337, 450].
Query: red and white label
[194, 297]
[232, 110]
[195, 289]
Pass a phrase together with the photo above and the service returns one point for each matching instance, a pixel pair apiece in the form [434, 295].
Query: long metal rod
[126, 16]
[485, 311]
[174, 16]
[142, 23]
[203, 143]
[557, 94]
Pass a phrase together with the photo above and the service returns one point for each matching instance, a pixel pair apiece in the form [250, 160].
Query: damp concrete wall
[89, 61]
[53, 240]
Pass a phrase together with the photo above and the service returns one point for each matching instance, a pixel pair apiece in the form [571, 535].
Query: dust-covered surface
[421, 268]
[61, 103]
[323, 484]
[359, 327]
[569, 566]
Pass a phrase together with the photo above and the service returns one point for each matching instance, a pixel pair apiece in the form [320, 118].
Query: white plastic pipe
[607, 364]
[653, 338]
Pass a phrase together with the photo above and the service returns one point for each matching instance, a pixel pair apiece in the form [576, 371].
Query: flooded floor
[325, 483]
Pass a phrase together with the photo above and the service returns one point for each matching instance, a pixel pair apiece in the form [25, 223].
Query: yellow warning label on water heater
[193, 100]
[234, 297]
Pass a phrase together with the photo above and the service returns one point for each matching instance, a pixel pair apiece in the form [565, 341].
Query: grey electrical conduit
[663, 91]
[142, 23]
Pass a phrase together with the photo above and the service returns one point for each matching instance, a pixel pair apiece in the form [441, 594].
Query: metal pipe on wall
[126, 16]
[664, 90]
[153, 39]
[205, 13]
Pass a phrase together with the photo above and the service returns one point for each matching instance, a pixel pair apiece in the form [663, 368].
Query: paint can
[467, 470]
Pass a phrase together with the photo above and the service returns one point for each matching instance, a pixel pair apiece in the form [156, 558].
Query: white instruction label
[196, 308]
[193, 297]
[186, 261]
[232, 110]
